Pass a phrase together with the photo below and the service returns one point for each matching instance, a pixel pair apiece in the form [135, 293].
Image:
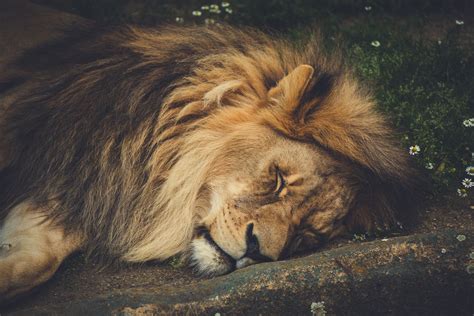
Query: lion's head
[270, 196]
[302, 165]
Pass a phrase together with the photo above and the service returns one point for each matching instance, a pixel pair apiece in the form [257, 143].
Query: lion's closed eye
[280, 182]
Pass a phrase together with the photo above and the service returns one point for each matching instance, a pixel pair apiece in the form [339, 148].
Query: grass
[424, 84]
[426, 88]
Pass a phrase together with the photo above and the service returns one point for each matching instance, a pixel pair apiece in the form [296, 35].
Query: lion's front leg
[31, 250]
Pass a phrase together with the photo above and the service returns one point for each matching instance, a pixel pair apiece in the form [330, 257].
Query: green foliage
[426, 88]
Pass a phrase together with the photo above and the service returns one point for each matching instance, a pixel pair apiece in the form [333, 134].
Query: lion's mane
[119, 131]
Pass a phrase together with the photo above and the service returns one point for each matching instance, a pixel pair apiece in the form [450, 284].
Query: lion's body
[122, 135]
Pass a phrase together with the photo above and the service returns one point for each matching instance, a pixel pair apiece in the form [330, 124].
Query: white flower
[414, 150]
[375, 43]
[429, 166]
[459, 22]
[225, 4]
[179, 19]
[462, 192]
[228, 10]
[214, 7]
[368, 8]
[197, 13]
[209, 21]
[439, 42]
[358, 237]
[470, 170]
[467, 183]
[205, 7]
[461, 237]
[318, 309]
[468, 122]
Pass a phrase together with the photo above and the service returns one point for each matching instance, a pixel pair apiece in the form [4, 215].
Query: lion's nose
[253, 246]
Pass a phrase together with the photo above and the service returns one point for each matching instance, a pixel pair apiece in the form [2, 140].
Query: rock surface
[419, 274]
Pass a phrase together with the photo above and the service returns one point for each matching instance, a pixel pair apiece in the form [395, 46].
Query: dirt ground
[79, 279]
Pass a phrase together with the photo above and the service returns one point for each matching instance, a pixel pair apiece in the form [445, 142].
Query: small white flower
[468, 122]
[179, 19]
[228, 10]
[467, 183]
[470, 170]
[318, 309]
[429, 166]
[375, 43]
[439, 42]
[459, 22]
[414, 150]
[368, 8]
[461, 237]
[197, 13]
[443, 250]
[462, 192]
[225, 4]
[209, 21]
[214, 7]
[358, 237]
[205, 7]
[217, 314]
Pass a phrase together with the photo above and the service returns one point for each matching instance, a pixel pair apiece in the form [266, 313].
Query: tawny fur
[31, 250]
[125, 130]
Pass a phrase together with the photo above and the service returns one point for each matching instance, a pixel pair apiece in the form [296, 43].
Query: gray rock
[403, 275]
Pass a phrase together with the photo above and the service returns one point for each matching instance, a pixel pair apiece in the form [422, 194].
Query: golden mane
[140, 116]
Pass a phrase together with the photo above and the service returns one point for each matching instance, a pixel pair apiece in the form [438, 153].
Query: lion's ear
[290, 90]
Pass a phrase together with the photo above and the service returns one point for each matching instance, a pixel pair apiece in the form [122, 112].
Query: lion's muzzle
[210, 259]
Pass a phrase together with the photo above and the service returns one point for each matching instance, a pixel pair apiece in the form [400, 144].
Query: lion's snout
[211, 256]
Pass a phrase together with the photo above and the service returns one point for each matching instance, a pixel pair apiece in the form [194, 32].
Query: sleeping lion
[228, 146]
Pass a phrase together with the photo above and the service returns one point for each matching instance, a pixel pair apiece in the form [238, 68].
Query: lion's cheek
[228, 231]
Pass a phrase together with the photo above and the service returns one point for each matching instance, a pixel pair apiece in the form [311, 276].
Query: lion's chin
[209, 259]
